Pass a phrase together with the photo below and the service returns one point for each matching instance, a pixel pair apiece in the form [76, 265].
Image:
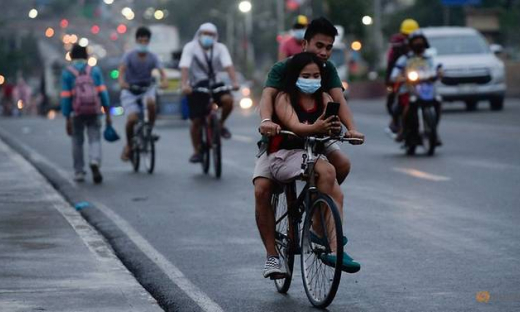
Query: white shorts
[131, 102]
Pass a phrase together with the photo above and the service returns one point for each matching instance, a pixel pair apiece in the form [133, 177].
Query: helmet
[418, 34]
[408, 26]
[110, 134]
[300, 22]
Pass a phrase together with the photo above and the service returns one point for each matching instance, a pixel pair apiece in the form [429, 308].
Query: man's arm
[233, 76]
[185, 85]
[164, 81]
[267, 126]
[345, 114]
[121, 79]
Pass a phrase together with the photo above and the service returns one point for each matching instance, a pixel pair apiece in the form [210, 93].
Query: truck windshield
[463, 44]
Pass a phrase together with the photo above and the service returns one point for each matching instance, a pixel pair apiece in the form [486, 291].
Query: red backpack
[85, 99]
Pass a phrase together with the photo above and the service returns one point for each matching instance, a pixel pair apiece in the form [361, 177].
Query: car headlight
[498, 73]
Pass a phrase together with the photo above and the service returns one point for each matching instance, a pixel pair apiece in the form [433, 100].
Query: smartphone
[332, 109]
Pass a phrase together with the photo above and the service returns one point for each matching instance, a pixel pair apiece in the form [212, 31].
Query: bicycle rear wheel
[322, 238]
[216, 146]
[285, 233]
[205, 148]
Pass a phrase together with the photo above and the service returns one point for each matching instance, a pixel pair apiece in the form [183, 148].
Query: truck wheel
[471, 105]
[497, 104]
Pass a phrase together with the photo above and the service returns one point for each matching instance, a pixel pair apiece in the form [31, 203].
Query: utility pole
[378, 34]
[280, 15]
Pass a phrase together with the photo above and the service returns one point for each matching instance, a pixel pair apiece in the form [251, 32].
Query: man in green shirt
[319, 38]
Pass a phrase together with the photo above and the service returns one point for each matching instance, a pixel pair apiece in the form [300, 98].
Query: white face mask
[206, 41]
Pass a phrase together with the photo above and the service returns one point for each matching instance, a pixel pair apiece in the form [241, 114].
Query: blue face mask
[299, 34]
[308, 86]
[206, 41]
[142, 48]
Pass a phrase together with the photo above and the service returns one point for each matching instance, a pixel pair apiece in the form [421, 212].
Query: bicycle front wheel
[216, 146]
[149, 155]
[134, 154]
[285, 233]
[322, 251]
[430, 130]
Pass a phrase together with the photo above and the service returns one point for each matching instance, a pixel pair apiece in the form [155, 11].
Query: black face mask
[418, 48]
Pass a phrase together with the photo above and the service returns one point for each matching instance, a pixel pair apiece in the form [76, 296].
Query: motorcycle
[420, 126]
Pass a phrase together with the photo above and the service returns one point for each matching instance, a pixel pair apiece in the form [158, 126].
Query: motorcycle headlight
[413, 76]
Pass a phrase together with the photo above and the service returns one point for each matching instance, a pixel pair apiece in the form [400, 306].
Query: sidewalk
[50, 258]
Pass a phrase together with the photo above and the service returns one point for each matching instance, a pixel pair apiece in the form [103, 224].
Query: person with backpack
[202, 59]
[398, 47]
[82, 97]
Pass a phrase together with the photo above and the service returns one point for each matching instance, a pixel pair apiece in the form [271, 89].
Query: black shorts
[198, 102]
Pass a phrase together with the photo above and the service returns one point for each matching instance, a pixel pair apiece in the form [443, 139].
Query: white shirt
[194, 57]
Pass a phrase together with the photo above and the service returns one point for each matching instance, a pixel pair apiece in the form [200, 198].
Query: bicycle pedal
[278, 276]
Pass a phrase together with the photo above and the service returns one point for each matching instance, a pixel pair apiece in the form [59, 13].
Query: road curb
[125, 250]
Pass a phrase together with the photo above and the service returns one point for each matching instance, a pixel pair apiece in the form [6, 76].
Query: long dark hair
[294, 66]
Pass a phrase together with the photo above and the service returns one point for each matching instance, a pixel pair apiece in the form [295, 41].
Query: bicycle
[321, 234]
[143, 141]
[211, 142]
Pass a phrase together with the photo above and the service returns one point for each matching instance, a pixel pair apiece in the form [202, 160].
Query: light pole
[245, 7]
[230, 27]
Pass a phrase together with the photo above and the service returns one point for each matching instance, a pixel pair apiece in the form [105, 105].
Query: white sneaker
[275, 268]
[79, 177]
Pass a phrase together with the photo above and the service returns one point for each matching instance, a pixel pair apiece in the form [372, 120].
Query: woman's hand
[327, 126]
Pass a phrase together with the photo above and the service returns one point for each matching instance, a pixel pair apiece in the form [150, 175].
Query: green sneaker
[349, 265]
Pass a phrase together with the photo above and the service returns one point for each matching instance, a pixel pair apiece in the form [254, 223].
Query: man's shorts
[131, 102]
[198, 102]
[263, 163]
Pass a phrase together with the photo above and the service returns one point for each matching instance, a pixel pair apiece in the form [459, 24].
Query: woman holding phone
[303, 108]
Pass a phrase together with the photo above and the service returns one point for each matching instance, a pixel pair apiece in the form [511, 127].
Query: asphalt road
[430, 232]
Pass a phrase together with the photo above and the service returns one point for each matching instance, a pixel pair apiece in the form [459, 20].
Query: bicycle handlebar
[322, 139]
[211, 91]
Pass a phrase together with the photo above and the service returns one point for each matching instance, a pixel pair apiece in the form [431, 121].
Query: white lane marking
[175, 275]
[242, 138]
[421, 174]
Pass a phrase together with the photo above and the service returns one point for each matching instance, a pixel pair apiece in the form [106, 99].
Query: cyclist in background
[202, 59]
[293, 45]
[398, 47]
[136, 69]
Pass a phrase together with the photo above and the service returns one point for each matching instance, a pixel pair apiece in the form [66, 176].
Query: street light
[367, 20]
[33, 13]
[158, 15]
[245, 6]
[108, 1]
[83, 42]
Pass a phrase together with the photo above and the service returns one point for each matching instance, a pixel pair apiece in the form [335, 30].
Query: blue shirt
[139, 69]
[67, 84]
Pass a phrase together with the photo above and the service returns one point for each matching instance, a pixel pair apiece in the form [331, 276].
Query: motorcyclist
[293, 45]
[415, 58]
[398, 47]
